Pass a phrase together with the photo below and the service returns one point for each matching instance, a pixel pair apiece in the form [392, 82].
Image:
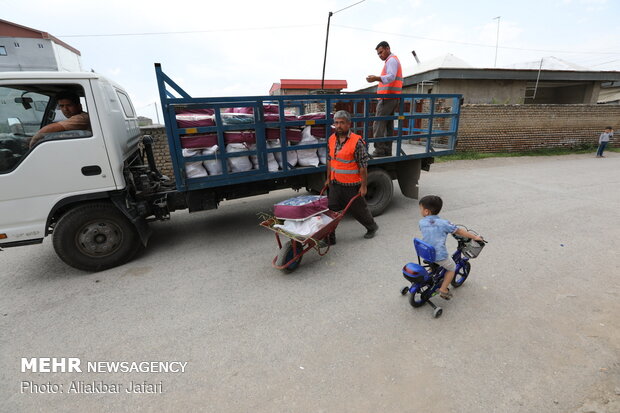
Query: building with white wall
[24, 49]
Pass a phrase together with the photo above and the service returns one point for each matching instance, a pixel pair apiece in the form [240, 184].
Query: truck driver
[77, 119]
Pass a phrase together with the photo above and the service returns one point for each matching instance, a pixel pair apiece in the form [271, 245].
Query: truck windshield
[26, 108]
[21, 116]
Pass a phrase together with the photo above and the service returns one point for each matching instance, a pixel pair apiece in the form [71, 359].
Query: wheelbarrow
[294, 247]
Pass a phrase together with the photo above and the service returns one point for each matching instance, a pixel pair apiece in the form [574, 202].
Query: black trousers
[340, 195]
[384, 128]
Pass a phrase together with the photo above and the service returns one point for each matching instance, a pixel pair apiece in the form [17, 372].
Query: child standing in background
[603, 140]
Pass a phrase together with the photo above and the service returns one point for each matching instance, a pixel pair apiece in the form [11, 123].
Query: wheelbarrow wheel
[287, 253]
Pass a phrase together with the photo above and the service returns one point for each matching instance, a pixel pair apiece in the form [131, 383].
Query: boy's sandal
[445, 296]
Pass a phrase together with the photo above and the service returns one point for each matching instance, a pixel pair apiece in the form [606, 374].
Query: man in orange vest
[347, 172]
[390, 85]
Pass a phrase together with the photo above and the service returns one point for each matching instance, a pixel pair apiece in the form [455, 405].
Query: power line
[604, 63]
[348, 7]
[191, 31]
[336, 25]
[473, 44]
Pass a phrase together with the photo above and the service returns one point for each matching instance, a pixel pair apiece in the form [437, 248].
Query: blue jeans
[601, 148]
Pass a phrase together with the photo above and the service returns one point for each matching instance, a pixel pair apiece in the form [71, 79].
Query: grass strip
[471, 155]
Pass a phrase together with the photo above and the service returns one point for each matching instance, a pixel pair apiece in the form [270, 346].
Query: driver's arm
[52, 127]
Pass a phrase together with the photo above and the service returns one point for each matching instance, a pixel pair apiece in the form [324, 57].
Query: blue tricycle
[426, 276]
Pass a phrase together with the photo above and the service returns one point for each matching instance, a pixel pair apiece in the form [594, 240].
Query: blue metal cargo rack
[406, 129]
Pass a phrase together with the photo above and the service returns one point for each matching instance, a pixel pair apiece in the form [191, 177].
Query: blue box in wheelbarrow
[301, 207]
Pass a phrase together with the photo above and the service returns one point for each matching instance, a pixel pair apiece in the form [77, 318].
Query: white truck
[95, 190]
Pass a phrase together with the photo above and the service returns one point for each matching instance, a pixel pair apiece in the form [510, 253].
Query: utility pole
[496, 39]
[157, 113]
[329, 17]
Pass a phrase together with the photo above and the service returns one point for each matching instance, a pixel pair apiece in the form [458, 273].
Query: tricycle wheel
[461, 275]
[404, 290]
[287, 253]
[420, 296]
[437, 313]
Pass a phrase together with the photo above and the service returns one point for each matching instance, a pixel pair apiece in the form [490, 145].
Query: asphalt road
[535, 328]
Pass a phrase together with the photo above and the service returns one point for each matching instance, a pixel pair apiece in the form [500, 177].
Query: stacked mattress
[302, 215]
[245, 140]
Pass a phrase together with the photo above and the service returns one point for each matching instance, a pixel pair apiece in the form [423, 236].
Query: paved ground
[534, 329]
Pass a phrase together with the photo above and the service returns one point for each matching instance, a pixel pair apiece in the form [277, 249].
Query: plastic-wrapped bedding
[272, 164]
[198, 141]
[312, 116]
[271, 108]
[240, 136]
[292, 134]
[214, 166]
[237, 118]
[307, 227]
[318, 131]
[291, 156]
[185, 111]
[247, 110]
[195, 118]
[267, 108]
[275, 117]
[238, 163]
[194, 169]
[308, 157]
[300, 207]
[322, 151]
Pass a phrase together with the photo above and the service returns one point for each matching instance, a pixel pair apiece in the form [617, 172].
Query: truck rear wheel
[380, 191]
[95, 236]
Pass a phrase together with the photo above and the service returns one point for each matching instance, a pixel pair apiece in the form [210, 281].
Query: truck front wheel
[380, 191]
[95, 236]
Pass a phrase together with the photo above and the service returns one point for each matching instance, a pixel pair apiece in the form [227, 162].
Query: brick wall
[160, 148]
[513, 128]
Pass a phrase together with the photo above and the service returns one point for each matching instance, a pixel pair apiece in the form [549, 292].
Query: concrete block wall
[514, 128]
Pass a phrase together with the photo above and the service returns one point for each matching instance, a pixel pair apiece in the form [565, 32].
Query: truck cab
[45, 183]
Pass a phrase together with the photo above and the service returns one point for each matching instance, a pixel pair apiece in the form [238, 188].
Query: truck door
[70, 162]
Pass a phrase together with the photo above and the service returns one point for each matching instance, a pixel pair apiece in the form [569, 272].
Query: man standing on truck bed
[390, 83]
[71, 108]
[347, 172]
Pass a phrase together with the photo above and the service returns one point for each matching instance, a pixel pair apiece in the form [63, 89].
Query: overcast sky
[241, 47]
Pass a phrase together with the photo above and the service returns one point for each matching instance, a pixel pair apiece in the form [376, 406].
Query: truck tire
[95, 236]
[380, 191]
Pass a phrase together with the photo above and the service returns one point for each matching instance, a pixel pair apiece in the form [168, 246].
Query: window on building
[126, 104]
[40, 46]
[16, 44]
[2, 51]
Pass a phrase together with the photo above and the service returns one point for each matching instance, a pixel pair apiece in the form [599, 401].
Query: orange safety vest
[395, 86]
[343, 167]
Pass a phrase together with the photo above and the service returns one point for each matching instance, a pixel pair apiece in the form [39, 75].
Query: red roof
[10, 29]
[309, 84]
